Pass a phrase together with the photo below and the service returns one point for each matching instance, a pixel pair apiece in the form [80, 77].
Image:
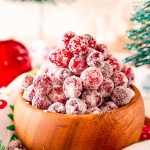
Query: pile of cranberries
[80, 78]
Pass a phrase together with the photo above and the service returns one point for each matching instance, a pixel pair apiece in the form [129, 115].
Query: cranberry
[57, 94]
[120, 79]
[107, 87]
[78, 45]
[60, 57]
[57, 107]
[27, 81]
[91, 78]
[92, 98]
[72, 87]
[103, 49]
[75, 106]
[77, 65]
[107, 70]
[95, 59]
[94, 110]
[122, 95]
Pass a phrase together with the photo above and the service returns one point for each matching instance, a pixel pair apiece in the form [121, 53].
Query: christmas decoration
[139, 35]
[14, 60]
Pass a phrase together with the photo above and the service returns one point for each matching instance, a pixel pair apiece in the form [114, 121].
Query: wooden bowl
[115, 130]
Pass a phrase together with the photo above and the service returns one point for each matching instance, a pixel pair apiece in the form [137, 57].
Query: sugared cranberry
[42, 84]
[41, 102]
[60, 57]
[103, 49]
[92, 98]
[27, 81]
[94, 110]
[57, 94]
[120, 79]
[95, 59]
[72, 87]
[66, 38]
[117, 66]
[107, 87]
[127, 70]
[91, 42]
[29, 93]
[107, 70]
[75, 106]
[44, 69]
[62, 74]
[77, 65]
[78, 45]
[91, 78]
[122, 95]
[108, 106]
[57, 107]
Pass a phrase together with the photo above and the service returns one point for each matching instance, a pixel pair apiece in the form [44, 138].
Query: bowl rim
[134, 99]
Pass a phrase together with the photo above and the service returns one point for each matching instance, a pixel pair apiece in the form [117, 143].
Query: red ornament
[14, 60]
[3, 104]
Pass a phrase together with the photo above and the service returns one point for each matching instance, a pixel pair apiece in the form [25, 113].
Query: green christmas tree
[139, 36]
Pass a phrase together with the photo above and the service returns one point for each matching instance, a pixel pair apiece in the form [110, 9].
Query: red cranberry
[107, 87]
[78, 45]
[122, 95]
[107, 107]
[107, 70]
[77, 65]
[60, 57]
[57, 107]
[66, 38]
[94, 110]
[57, 94]
[62, 74]
[42, 84]
[72, 87]
[91, 78]
[41, 102]
[92, 98]
[127, 70]
[91, 42]
[29, 93]
[120, 79]
[27, 81]
[95, 59]
[103, 49]
[75, 106]
[115, 63]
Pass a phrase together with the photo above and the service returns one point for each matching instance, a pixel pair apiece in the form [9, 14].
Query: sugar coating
[127, 70]
[107, 70]
[92, 98]
[120, 79]
[107, 87]
[60, 57]
[95, 59]
[75, 106]
[43, 69]
[78, 45]
[66, 38]
[57, 107]
[78, 64]
[94, 110]
[122, 95]
[91, 42]
[103, 49]
[41, 102]
[57, 94]
[108, 106]
[42, 84]
[29, 93]
[72, 87]
[117, 66]
[91, 78]
[27, 81]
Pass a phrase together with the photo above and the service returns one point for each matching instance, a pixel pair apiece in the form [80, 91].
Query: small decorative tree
[139, 36]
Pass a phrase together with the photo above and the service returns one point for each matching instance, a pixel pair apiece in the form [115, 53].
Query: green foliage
[2, 147]
[139, 36]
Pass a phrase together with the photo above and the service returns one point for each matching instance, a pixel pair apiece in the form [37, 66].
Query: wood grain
[39, 130]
